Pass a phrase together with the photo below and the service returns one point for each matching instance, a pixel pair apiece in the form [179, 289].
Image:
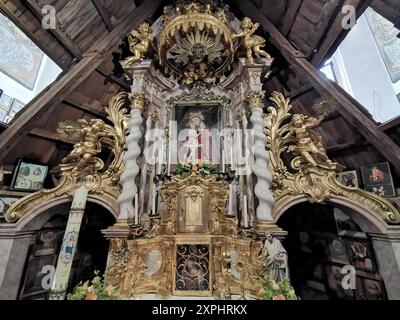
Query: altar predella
[203, 221]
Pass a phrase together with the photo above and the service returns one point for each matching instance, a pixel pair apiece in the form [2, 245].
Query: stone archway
[320, 247]
[366, 218]
[18, 238]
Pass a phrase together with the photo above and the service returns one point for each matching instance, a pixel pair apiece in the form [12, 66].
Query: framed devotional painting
[28, 176]
[378, 179]
[349, 178]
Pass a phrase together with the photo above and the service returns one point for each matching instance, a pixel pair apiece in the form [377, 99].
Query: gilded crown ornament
[195, 43]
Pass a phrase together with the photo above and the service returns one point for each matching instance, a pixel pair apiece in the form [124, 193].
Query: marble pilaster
[387, 253]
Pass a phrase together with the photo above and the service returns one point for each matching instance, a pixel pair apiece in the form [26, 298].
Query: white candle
[153, 205]
[158, 167]
[230, 203]
[223, 161]
[169, 159]
[136, 208]
[245, 216]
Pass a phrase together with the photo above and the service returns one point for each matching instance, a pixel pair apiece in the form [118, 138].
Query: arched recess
[368, 221]
[37, 216]
[312, 243]
[20, 235]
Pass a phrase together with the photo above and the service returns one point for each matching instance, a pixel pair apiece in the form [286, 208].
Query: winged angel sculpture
[251, 42]
[89, 136]
[297, 136]
[140, 41]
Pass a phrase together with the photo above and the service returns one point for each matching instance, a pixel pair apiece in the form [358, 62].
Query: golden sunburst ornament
[69, 130]
[324, 106]
[196, 48]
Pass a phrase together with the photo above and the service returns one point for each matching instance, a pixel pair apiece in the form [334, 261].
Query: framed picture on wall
[28, 176]
[334, 278]
[338, 251]
[6, 201]
[36, 272]
[16, 106]
[5, 102]
[349, 178]
[360, 255]
[46, 243]
[378, 179]
[369, 289]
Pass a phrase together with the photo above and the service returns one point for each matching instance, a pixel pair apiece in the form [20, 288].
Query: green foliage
[96, 289]
[282, 290]
[206, 170]
[183, 169]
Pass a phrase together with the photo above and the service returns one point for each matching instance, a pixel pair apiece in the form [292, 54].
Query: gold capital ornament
[138, 100]
[255, 99]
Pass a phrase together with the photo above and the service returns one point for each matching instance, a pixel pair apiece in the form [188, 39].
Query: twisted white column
[262, 159]
[129, 188]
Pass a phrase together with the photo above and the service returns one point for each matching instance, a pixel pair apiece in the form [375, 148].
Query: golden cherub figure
[251, 42]
[308, 143]
[84, 151]
[139, 44]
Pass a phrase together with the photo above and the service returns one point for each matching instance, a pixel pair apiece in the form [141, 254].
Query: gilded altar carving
[251, 42]
[310, 173]
[196, 43]
[82, 157]
[81, 167]
[191, 190]
[255, 99]
[308, 143]
[139, 44]
[138, 100]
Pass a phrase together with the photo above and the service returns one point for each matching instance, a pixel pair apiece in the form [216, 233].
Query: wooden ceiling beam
[61, 36]
[108, 75]
[48, 135]
[290, 16]
[65, 85]
[350, 111]
[85, 108]
[103, 14]
[299, 92]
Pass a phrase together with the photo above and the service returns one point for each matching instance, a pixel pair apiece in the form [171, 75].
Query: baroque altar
[201, 233]
[197, 172]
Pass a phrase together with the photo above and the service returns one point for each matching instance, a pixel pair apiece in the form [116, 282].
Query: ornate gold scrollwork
[218, 198]
[311, 172]
[204, 49]
[81, 166]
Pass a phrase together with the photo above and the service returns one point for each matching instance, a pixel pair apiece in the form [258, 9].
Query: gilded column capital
[255, 99]
[138, 100]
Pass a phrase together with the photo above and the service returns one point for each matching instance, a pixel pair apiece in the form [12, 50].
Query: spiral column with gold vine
[129, 188]
[255, 100]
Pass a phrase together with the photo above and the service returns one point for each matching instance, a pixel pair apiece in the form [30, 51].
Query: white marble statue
[195, 123]
[276, 257]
